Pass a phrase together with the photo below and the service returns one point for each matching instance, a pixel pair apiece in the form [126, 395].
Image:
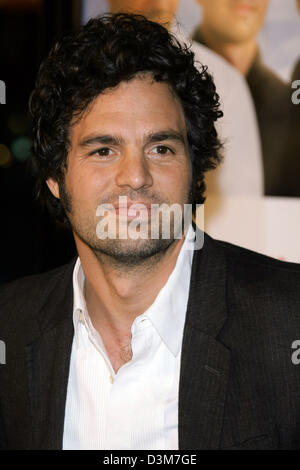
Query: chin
[132, 252]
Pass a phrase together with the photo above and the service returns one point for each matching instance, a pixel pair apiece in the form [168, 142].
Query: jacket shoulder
[31, 292]
[251, 260]
[261, 290]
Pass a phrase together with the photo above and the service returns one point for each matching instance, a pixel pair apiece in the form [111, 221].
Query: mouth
[134, 209]
[244, 7]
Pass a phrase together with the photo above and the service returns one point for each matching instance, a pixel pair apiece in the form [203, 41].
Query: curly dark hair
[107, 50]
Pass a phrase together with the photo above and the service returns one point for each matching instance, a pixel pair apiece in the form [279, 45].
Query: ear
[53, 186]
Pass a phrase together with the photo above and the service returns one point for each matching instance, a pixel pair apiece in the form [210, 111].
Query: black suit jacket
[238, 385]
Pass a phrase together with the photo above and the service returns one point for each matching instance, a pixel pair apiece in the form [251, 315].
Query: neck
[115, 297]
[241, 55]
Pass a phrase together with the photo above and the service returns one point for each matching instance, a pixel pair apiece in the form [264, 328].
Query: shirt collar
[167, 312]
[79, 305]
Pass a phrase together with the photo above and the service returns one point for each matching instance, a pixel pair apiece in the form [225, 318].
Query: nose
[133, 171]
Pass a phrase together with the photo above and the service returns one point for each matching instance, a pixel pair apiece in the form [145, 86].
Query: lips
[133, 209]
[245, 7]
[131, 203]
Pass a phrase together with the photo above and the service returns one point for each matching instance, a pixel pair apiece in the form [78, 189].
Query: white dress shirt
[137, 407]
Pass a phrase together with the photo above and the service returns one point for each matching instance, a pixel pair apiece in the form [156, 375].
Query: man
[241, 172]
[230, 28]
[153, 342]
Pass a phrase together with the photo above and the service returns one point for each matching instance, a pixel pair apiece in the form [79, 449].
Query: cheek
[175, 181]
[83, 186]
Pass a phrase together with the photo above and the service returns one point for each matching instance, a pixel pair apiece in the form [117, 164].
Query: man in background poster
[296, 71]
[241, 172]
[230, 28]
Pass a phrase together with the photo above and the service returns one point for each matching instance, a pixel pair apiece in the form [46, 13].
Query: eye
[102, 152]
[163, 150]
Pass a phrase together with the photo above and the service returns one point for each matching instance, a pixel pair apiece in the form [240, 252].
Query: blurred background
[30, 242]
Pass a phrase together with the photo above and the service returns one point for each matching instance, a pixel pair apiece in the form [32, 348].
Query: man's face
[155, 10]
[131, 142]
[234, 20]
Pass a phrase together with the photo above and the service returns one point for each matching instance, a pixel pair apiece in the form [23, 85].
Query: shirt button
[81, 319]
[111, 379]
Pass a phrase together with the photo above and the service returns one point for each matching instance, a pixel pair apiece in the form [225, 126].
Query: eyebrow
[153, 137]
[101, 139]
[165, 135]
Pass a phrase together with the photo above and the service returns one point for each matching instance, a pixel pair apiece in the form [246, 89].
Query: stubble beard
[122, 253]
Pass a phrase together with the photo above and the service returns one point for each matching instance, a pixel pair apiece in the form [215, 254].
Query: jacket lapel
[47, 361]
[204, 360]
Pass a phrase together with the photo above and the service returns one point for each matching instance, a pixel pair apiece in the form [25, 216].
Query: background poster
[279, 38]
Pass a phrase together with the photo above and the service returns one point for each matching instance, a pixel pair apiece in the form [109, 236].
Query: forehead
[142, 5]
[140, 105]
